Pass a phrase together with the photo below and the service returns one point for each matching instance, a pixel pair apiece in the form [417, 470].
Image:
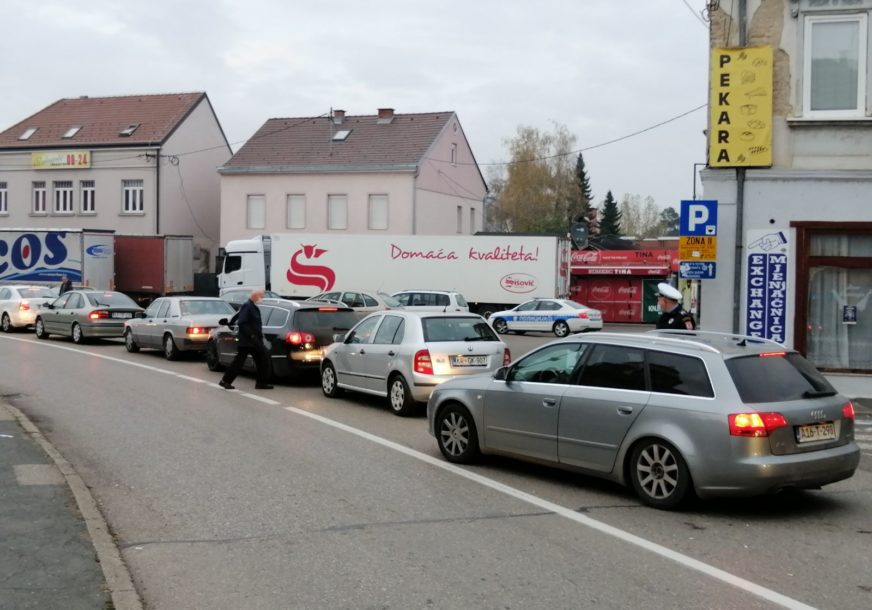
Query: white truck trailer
[44, 256]
[493, 272]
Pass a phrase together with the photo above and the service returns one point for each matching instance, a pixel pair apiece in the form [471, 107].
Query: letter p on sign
[698, 218]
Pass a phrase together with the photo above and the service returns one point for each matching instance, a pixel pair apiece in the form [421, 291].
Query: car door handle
[392, 353]
[362, 352]
[549, 402]
[625, 410]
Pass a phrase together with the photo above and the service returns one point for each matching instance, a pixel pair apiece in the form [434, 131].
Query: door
[349, 357]
[381, 353]
[51, 316]
[523, 316]
[521, 413]
[73, 311]
[596, 413]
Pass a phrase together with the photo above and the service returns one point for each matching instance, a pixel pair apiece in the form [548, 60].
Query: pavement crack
[361, 526]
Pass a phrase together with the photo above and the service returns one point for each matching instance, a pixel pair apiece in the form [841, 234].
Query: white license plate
[816, 432]
[458, 361]
[122, 315]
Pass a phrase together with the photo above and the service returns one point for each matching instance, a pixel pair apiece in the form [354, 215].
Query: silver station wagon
[669, 413]
[403, 355]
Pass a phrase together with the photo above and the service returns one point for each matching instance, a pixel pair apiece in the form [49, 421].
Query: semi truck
[143, 266]
[493, 272]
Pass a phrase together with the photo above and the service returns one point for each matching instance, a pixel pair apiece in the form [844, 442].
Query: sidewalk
[47, 559]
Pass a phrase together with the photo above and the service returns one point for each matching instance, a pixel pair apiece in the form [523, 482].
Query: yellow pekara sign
[697, 248]
[61, 159]
[740, 107]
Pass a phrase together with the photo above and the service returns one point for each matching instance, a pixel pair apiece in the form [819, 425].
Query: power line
[695, 14]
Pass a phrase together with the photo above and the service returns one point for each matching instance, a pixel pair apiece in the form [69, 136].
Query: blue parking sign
[698, 218]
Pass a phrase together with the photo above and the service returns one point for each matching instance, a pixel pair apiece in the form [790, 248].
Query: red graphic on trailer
[302, 274]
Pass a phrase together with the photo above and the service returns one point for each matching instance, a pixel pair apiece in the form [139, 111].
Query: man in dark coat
[672, 315]
[66, 285]
[250, 341]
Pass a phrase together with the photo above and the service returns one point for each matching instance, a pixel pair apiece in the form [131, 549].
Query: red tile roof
[101, 119]
[297, 143]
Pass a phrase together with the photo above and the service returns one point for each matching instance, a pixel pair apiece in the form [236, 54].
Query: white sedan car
[560, 316]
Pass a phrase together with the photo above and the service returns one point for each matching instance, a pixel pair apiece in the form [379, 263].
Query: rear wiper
[476, 339]
[818, 393]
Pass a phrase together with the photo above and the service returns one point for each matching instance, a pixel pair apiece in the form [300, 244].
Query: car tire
[212, 360]
[329, 380]
[659, 474]
[39, 329]
[500, 326]
[6, 323]
[456, 434]
[561, 329]
[169, 348]
[129, 342]
[77, 334]
[400, 396]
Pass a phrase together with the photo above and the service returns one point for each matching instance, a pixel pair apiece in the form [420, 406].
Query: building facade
[795, 264]
[386, 174]
[134, 164]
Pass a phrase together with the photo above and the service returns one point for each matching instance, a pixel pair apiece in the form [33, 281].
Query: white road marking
[568, 513]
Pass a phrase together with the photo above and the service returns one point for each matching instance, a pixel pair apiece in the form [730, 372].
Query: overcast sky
[602, 68]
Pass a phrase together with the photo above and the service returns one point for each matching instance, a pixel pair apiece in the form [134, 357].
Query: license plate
[816, 432]
[122, 314]
[458, 361]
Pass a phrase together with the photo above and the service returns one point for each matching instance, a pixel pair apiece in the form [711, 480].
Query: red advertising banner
[624, 262]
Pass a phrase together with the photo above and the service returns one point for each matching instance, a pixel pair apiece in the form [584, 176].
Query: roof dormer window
[27, 133]
[128, 131]
[71, 132]
[341, 135]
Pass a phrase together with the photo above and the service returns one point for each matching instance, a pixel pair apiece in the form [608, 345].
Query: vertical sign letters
[766, 304]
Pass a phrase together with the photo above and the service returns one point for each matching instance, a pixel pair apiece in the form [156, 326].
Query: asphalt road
[286, 499]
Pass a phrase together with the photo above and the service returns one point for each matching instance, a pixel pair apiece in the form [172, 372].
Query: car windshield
[314, 320]
[777, 377]
[389, 300]
[36, 292]
[194, 308]
[112, 299]
[454, 328]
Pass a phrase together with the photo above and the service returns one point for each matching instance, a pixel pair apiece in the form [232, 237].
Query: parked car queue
[669, 414]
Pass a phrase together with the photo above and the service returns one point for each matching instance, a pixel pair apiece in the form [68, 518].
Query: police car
[560, 316]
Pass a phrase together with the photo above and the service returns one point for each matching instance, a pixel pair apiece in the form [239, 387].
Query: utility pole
[740, 198]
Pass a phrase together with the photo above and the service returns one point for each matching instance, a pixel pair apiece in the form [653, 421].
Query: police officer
[672, 314]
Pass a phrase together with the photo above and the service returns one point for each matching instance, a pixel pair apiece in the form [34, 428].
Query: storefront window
[839, 323]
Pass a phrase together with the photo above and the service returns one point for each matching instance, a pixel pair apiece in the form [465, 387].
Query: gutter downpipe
[157, 192]
[415, 201]
[740, 200]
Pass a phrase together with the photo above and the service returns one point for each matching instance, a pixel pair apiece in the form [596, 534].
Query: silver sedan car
[404, 355]
[19, 304]
[176, 324]
[85, 314]
[359, 300]
[668, 413]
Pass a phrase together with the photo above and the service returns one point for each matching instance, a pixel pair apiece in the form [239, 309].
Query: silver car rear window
[194, 308]
[777, 377]
[457, 329]
[115, 299]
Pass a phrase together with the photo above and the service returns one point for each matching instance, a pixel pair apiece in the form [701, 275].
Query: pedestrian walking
[66, 285]
[672, 314]
[250, 341]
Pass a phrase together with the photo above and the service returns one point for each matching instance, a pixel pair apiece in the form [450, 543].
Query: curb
[118, 579]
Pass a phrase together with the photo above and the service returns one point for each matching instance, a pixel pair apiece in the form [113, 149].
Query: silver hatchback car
[669, 413]
[404, 355]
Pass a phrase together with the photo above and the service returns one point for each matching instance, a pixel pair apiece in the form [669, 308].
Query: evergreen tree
[582, 210]
[669, 222]
[610, 218]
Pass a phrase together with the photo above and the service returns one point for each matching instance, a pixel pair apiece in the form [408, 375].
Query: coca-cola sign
[518, 283]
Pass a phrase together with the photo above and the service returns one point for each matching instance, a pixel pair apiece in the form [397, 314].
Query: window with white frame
[63, 196]
[4, 205]
[460, 219]
[472, 220]
[337, 212]
[255, 212]
[453, 154]
[296, 211]
[132, 196]
[835, 54]
[39, 198]
[378, 212]
[87, 200]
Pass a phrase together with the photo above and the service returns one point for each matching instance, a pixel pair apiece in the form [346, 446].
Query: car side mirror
[223, 321]
[501, 373]
[339, 338]
[139, 314]
[46, 306]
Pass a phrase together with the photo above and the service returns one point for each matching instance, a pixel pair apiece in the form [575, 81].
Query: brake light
[423, 364]
[507, 357]
[755, 424]
[295, 338]
[98, 314]
[583, 315]
[327, 309]
[848, 411]
[197, 330]
[770, 354]
[24, 306]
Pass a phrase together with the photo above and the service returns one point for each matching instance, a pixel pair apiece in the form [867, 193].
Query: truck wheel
[400, 396]
[6, 323]
[561, 328]
[212, 360]
[500, 326]
[170, 349]
[78, 335]
[129, 342]
[40, 329]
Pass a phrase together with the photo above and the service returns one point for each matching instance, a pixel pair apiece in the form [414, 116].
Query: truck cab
[246, 263]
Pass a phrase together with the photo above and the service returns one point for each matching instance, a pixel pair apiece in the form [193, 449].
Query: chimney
[338, 117]
[385, 116]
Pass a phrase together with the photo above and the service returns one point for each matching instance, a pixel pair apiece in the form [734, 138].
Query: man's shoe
[263, 386]
[226, 385]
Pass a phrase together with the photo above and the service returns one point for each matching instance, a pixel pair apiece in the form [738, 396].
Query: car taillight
[755, 424]
[583, 315]
[295, 338]
[327, 309]
[507, 357]
[98, 314]
[771, 354]
[198, 330]
[24, 306]
[423, 364]
[848, 411]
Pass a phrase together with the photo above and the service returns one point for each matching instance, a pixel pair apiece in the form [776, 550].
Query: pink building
[384, 173]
